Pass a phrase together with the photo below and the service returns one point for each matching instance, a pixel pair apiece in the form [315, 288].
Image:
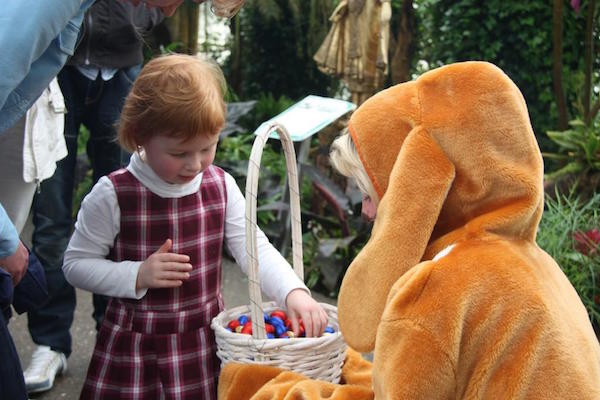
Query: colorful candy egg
[234, 323]
[269, 328]
[279, 314]
[247, 329]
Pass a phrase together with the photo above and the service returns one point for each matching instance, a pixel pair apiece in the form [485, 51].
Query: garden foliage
[568, 232]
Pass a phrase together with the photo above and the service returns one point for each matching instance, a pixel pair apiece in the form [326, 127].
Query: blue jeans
[97, 105]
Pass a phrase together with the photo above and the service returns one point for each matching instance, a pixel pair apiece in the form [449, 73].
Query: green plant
[516, 36]
[565, 217]
[328, 254]
[266, 107]
[83, 176]
[282, 66]
[577, 158]
[233, 154]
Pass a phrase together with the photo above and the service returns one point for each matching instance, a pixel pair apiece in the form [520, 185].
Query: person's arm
[85, 265]
[13, 254]
[38, 36]
[146, 18]
[277, 278]
[9, 238]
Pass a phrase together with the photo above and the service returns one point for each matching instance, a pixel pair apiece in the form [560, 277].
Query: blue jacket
[36, 38]
[9, 238]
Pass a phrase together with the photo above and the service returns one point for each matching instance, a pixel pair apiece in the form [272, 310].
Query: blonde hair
[176, 95]
[345, 159]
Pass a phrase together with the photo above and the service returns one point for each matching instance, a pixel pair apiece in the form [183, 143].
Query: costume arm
[9, 239]
[277, 277]
[38, 36]
[416, 367]
[85, 264]
[242, 382]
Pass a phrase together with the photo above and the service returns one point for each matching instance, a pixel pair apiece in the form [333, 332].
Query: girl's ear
[407, 213]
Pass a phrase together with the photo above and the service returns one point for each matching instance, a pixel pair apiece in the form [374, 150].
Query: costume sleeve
[277, 277]
[38, 36]
[9, 239]
[85, 264]
[421, 369]
[248, 381]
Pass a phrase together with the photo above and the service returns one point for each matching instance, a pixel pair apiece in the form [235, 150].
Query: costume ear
[419, 183]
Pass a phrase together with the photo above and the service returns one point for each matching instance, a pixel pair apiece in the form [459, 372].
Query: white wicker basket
[318, 358]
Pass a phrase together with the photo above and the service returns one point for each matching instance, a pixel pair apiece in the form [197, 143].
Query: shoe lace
[40, 359]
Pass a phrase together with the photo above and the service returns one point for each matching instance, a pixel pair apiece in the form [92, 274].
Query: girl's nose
[195, 162]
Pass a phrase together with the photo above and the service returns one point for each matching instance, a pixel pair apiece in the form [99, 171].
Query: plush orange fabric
[234, 382]
[452, 291]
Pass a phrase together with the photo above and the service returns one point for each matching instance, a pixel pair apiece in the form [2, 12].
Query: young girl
[151, 237]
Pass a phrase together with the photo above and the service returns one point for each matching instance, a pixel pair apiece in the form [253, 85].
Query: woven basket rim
[218, 325]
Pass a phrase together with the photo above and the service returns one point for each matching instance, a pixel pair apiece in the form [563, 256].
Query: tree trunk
[235, 73]
[404, 44]
[588, 60]
[183, 26]
[557, 56]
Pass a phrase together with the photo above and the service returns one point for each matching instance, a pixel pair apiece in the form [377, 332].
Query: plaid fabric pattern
[161, 346]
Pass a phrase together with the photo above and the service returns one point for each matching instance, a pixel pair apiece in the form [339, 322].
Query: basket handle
[258, 323]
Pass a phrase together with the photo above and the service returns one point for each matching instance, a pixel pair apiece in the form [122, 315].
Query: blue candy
[280, 330]
[276, 321]
[243, 319]
[329, 329]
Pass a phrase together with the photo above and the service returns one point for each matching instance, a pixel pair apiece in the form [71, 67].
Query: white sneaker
[45, 365]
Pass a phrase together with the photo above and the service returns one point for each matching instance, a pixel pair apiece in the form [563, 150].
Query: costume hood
[452, 156]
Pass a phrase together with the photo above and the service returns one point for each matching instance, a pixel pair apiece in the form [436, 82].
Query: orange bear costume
[451, 292]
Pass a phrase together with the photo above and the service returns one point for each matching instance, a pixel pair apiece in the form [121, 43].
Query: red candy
[247, 329]
[234, 323]
[279, 314]
[269, 328]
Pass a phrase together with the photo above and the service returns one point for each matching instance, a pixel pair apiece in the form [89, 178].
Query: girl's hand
[163, 269]
[300, 305]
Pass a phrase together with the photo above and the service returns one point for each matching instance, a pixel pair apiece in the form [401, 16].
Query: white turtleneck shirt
[98, 223]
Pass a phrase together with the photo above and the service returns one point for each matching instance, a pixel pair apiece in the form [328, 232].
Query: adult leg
[16, 195]
[52, 218]
[104, 152]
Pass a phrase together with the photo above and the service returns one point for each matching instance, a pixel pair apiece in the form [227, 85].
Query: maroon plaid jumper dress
[162, 346]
